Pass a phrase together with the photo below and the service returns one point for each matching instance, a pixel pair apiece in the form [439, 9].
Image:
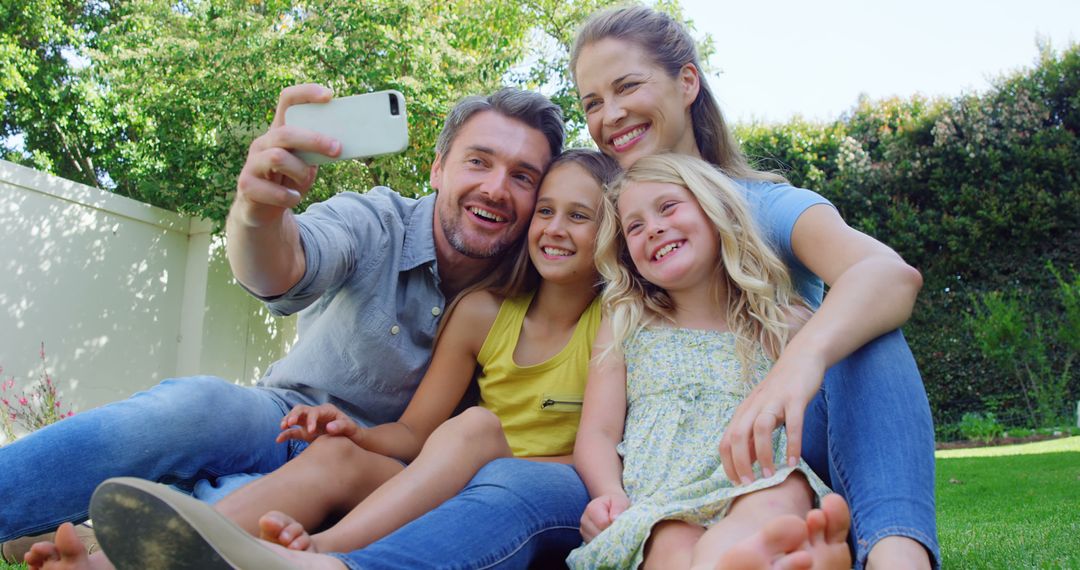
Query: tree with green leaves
[46, 102]
[159, 100]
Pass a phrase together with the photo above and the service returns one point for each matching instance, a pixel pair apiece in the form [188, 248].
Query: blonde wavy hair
[760, 298]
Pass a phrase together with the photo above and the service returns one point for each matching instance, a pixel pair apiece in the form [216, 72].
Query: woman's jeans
[868, 433]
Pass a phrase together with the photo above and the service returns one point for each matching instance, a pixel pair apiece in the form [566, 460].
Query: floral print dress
[682, 387]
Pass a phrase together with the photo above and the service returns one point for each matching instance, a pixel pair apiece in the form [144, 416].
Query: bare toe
[298, 538]
[69, 544]
[837, 518]
[280, 528]
[828, 530]
[271, 524]
[40, 553]
[67, 553]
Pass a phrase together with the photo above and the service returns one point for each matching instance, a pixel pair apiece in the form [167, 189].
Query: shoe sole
[145, 525]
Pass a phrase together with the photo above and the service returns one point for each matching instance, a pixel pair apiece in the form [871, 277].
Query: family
[661, 381]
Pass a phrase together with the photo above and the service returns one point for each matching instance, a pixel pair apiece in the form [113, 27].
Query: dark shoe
[145, 525]
[12, 551]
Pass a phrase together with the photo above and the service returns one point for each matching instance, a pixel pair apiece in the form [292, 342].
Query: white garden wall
[123, 294]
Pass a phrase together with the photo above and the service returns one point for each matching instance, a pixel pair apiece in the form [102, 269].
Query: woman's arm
[603, 416]
[871, 291]
[447, 378]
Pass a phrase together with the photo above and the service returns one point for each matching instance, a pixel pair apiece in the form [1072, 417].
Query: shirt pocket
[561, 402]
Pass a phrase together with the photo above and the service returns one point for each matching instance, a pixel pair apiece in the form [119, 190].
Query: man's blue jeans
[868, 434]
[181, 431]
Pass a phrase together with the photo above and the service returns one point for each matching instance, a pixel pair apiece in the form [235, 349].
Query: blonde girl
[696, 306]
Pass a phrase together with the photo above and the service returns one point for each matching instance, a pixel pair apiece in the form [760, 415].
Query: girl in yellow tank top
[528, 343]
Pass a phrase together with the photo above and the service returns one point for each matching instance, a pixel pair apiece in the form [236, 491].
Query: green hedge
[978, 192]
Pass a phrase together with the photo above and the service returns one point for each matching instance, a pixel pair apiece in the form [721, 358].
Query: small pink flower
[23, 401]
[14, 416]
[69, 414]
[57, 404]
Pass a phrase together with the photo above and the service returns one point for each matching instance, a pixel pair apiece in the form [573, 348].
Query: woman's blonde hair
[752, 279]
[671, 47]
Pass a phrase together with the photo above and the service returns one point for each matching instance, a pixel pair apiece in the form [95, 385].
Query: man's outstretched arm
[263, 242]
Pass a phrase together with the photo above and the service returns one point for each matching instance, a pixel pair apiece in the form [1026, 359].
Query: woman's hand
[601, 512]
[779, 400]
[309, 422]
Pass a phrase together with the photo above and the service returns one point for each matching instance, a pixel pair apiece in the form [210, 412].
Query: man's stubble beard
[455, 237]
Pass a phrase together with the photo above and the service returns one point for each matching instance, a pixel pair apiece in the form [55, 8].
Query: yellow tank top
[540, 405]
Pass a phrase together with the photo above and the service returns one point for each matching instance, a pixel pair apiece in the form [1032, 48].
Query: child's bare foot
[790, 543]
[67, 553]
[280, 528]
[306, 560]
[780, 544]
[827, 529]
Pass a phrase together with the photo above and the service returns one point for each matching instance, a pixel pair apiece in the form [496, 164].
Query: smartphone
[367, 125]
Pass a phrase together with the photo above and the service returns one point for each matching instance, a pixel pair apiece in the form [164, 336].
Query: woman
[847, 382]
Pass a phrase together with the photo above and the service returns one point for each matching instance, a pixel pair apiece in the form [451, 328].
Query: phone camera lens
[394, 105]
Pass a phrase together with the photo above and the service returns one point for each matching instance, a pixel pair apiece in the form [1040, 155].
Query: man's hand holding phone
[311, 128]
[274, 179]
[263, 241]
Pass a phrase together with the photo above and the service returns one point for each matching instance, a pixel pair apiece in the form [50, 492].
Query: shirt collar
[419, 246]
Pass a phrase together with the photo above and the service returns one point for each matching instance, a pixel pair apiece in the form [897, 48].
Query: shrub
[980, 193]
[1011, 335]
[980, 427]
[33, 407]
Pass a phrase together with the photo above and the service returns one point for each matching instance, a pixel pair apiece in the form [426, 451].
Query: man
[370, 273]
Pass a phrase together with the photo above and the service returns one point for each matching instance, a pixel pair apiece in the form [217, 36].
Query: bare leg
[67, 553]
[671, 545]
[341, 472]
[449, 459]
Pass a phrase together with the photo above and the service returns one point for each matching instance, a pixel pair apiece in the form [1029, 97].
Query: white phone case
[367, 125]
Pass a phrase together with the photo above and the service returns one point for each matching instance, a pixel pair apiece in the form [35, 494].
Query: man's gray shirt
[370, 305]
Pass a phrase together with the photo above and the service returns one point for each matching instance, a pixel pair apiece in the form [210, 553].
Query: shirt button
[435, 311]
[395, 329]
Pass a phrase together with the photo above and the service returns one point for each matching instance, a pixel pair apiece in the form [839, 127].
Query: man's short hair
[533, 109]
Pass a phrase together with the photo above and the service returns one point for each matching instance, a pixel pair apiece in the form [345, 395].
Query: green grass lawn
[1020, 510]
[1007, 507]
